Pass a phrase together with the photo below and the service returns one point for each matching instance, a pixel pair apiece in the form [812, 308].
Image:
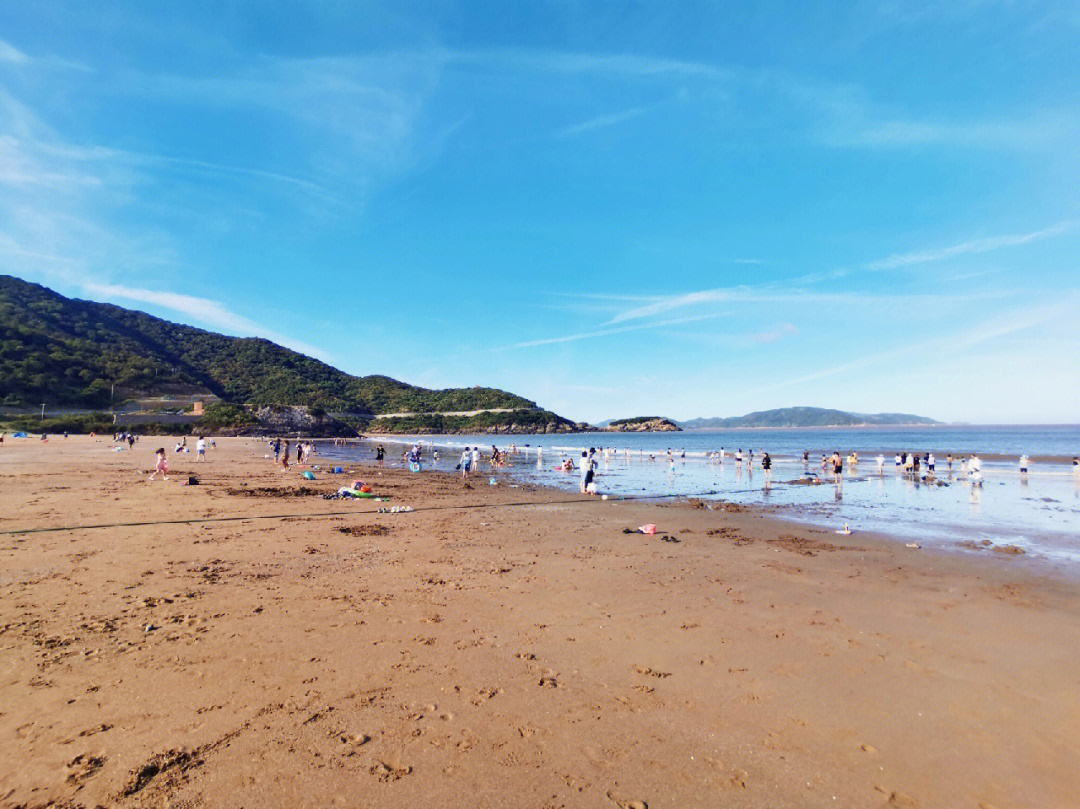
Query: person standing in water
[837, 468]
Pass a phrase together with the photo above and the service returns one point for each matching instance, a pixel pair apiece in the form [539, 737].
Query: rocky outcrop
[643, 425]
[289, 421]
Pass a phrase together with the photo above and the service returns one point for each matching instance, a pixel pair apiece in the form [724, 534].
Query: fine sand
[503, 646]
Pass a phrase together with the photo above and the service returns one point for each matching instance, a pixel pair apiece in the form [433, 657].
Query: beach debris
[846, 530]
[666, 538]
[914, 545]
[371, 530]
[1015, 550]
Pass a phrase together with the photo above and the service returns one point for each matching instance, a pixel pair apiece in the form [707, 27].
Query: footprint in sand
[82, 767]
[389, 772]
[623, 803]
[868, 748]
[355, 739]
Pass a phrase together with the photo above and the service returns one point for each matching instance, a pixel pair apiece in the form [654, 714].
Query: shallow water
[1039, 512]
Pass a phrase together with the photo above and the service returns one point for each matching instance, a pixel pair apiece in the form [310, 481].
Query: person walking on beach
[162, 464]
[837, 468]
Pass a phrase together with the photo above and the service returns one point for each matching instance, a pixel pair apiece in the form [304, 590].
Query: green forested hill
[70, 353]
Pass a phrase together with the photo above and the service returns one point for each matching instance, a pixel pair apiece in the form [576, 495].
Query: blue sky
[616, 209]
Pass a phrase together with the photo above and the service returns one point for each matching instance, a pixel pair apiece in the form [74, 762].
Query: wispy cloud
[1001, 325]
[571, 338]
[776, 294]
[779, 333]
[203, 310]
[9, 53]
[1034, 131]
[601, 121]
[976, 246]
[622, 64]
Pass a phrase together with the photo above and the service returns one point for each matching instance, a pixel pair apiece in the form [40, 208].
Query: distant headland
[806, 417]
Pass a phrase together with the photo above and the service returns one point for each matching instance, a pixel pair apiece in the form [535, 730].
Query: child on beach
[200, 449]
[162, 465]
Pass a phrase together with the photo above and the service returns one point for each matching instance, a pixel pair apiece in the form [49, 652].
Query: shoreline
[505, 644]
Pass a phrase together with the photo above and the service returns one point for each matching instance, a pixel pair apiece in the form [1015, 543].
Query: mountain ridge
[805, 417]
[75, 353]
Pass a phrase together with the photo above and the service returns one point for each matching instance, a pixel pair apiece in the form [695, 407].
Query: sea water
[1039, 511]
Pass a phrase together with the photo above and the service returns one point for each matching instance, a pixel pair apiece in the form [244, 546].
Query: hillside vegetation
[71, 353]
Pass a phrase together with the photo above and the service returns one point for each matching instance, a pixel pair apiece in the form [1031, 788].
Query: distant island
[641, 424]
[96, 365]
[805, 417]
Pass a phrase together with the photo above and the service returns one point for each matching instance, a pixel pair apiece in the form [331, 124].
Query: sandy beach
[246, 642]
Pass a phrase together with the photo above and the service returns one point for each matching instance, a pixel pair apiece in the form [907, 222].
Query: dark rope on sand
[448, 507]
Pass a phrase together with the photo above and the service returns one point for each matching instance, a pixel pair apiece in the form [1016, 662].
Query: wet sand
[503, 647]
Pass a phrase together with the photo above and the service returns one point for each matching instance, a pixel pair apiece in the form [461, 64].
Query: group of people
[282, 452]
